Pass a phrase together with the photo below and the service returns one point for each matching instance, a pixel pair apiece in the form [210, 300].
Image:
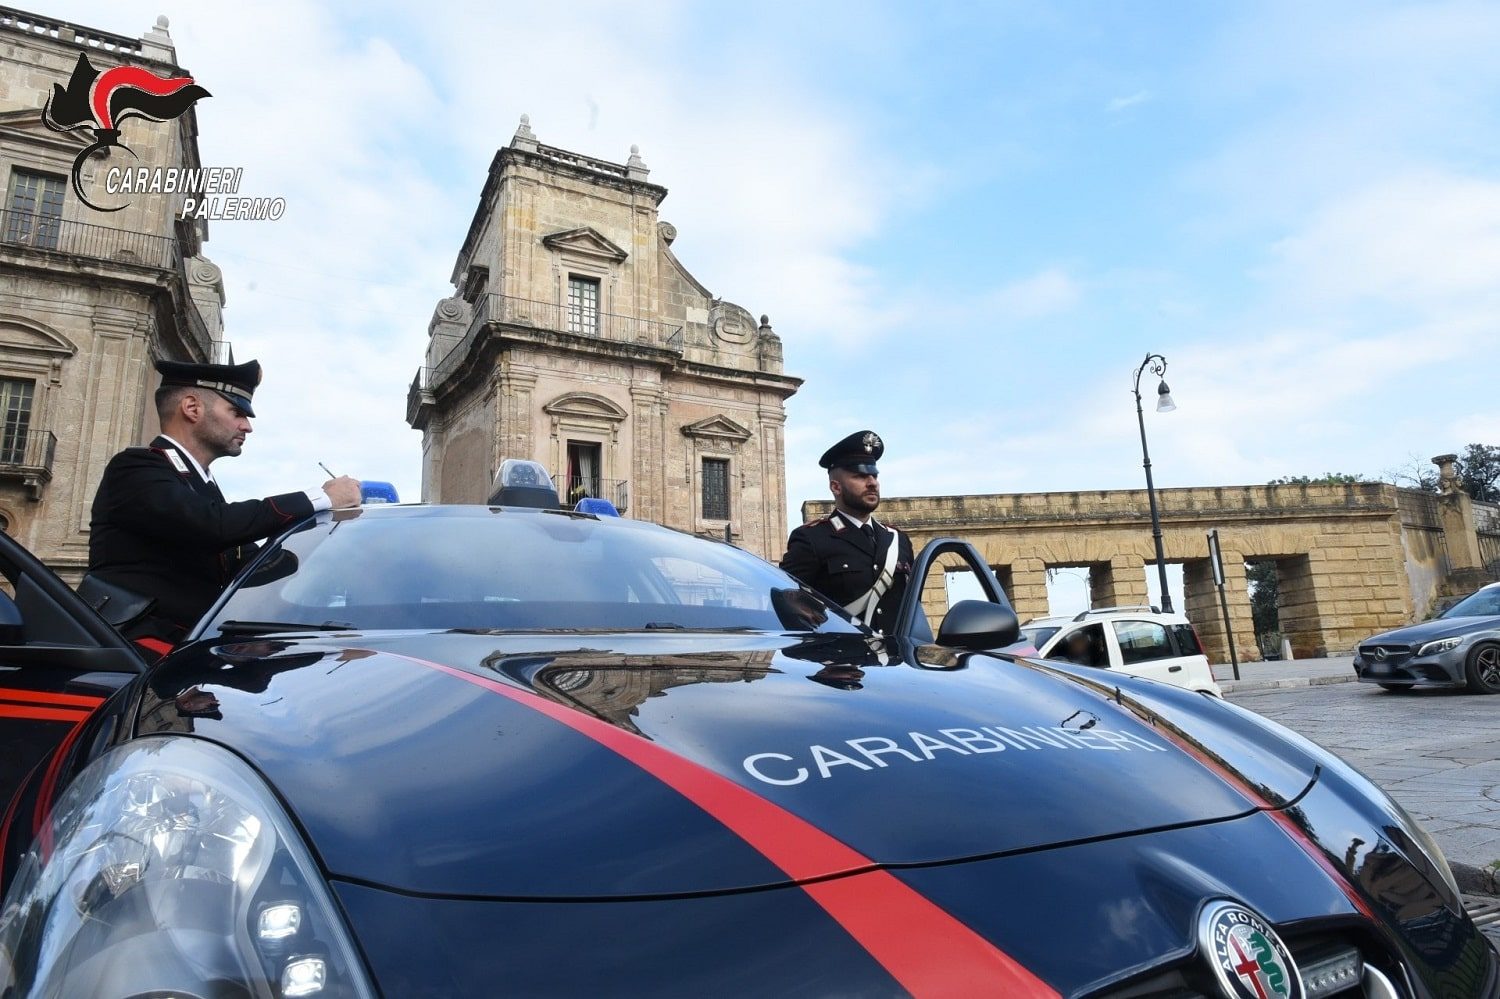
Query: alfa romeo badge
[1248, 957]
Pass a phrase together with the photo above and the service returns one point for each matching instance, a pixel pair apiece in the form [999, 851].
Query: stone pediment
[22, 334]
[585, 406]
[28, 121]
[584, 242]
[719, 426]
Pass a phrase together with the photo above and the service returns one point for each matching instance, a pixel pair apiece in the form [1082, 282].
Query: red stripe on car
[37, 712]
[923, 947]
[40, 827]
[48, 697]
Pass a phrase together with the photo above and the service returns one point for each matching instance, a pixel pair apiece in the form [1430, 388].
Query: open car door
[58, 661]
[954, 599]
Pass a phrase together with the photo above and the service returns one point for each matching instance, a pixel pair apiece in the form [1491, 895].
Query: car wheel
[1396, 688]
[1482, 669]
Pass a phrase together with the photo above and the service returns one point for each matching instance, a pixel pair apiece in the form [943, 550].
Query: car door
[965, 606]
[58, 661]
[1093, 649]
[1145, 648]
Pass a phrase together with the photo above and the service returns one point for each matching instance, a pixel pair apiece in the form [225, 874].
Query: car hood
[577, 765]
[1429, 631]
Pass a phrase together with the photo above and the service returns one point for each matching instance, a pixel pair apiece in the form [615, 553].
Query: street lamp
[1164, 404]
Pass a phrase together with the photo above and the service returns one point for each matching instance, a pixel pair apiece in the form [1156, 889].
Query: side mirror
[979, 624]
[11, 630]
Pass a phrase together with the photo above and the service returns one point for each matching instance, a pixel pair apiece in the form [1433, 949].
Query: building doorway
[583, 478]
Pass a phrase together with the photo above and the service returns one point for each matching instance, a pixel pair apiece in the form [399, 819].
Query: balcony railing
[42, 232]
[28, 457]
[571, 489]
[503, 310]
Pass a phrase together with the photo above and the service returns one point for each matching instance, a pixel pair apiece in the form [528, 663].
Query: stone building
[88, 299]
[576, 338]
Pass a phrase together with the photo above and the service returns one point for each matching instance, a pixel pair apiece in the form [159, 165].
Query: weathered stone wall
[85, 319]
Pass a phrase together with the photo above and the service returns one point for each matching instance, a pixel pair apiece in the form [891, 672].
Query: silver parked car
[1458, 648]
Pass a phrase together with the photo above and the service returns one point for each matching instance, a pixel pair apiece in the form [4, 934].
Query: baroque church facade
[576, 338]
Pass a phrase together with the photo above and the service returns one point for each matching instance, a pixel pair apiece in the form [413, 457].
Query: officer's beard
[857, 504]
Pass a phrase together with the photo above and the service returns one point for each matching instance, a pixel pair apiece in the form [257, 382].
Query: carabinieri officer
[162, 536]
[848, 556]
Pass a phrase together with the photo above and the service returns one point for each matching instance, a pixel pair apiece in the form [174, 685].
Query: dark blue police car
[477, 751]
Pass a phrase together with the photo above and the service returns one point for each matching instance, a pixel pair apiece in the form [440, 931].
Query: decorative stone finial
[635, 167]
[1447, 473]
[524, 138]
[162, 22]
[765, 321]
[156, 43]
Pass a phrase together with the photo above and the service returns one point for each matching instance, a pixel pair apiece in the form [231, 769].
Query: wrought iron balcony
[27, 456]
[419, 401]
[80, 239]
[521, 313]
[571, 489]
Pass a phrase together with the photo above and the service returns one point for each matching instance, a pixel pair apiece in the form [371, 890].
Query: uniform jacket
[834, 557]
[164, 532]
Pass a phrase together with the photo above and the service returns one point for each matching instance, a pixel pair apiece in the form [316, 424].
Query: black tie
[869, 530]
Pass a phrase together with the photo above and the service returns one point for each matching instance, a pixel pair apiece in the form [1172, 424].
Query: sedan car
[1458, 648]
[477, 751]
[1138, 640]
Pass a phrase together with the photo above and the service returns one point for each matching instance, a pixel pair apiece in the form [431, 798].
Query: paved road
[1436, 752]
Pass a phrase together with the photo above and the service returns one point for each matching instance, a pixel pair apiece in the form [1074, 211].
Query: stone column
[1456, 512]
[1297, 603]
[649, 461]
[1120, 582]
[1029, 588]
[1206, 614]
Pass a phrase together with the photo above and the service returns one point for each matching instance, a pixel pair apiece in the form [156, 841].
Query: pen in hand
[325, 468]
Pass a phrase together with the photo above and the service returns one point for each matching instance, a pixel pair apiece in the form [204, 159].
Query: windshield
[1038, 636]
[1485, 603]
[515, 570]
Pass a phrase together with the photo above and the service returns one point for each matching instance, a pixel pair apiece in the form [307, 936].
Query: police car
[519, 750]
[1138, 640]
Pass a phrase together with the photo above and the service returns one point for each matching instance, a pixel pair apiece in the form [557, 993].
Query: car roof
[1106, 614]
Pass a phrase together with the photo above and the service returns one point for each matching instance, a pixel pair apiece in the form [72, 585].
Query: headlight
[172, 870]
[1441, 645]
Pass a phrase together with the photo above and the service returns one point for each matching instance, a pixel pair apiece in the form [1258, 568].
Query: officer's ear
[191, 407]
[835, 486]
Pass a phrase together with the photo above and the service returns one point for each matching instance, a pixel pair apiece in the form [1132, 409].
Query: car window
[1038, 636]
[1142, 641]
[1187, 640]
[490, 569]
[1485, 603]
[1083, 647]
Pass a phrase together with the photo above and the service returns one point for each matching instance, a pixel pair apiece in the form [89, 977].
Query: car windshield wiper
[267, 627]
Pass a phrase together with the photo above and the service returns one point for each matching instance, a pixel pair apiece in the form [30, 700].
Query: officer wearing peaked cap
[163, 540]
[849, 556]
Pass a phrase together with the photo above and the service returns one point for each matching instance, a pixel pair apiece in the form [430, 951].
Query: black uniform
[838, 559]
[160, 530]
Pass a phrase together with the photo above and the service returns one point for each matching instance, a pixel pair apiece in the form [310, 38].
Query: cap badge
[870, 442]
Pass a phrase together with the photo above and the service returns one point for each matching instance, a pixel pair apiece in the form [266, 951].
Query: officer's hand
[343, 491]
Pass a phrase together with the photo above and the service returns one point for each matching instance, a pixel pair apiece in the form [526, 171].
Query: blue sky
[968, 223]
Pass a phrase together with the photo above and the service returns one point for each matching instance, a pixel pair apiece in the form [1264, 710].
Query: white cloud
[1118, 104]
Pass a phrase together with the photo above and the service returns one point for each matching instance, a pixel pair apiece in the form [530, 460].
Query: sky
[968, 223]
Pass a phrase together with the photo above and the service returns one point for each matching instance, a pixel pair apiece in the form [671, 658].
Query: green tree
[1261, 577]
[1478, 469]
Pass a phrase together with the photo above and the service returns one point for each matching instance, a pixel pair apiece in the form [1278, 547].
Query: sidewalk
[1293, 673]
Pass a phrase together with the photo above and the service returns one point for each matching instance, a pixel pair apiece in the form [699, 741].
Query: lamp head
[1164, 403]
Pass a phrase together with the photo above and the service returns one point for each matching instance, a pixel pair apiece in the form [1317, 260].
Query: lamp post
[1164, 404]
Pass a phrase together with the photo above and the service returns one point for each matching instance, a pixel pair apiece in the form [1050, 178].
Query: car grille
[1395, 655]
[1331, 967]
